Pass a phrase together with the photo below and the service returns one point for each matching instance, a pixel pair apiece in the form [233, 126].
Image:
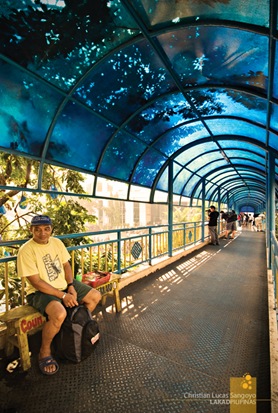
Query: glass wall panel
[27, 108]
[180, 136]
[161, 116]
[190, 185]
[124, 82]
[160, 196]
[15, 168]
[229, 102]
[273, 141]
[190, 154]
[224, 55]
[79, 137]
[139, 194]
[108, 188]
[230, 127]
[247, 147]
[275, 73]
[148, 167]
[180, 180]
[120, 156]
[159, 13]
[60, 40]
[274, 116]
[208, 167]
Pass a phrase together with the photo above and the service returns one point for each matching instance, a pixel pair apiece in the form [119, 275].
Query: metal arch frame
[246, 177]
[149, 35]
[255, 185]
[222, 187]
[252, 141]
[242, 195]
[224, 168]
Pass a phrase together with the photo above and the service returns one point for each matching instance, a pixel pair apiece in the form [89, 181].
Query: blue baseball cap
[41, 220]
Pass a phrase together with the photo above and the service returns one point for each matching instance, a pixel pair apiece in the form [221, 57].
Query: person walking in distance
[212, 225]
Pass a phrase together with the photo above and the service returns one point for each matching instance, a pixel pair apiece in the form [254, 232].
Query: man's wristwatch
[70, 284]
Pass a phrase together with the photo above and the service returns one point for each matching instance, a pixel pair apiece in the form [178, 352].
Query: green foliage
[67, 213]
[186, 214]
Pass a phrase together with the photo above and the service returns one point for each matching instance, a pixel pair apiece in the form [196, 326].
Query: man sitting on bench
[44, 261]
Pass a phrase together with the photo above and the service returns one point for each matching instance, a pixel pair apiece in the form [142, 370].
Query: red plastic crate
[95, 279]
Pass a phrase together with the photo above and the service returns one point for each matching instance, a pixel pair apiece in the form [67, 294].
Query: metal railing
[274, 265]
[113, 250]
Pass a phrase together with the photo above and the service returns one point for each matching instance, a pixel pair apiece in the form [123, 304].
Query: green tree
[186, 214]
[67, 213]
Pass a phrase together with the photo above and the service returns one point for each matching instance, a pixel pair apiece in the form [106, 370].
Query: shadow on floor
[183, 332]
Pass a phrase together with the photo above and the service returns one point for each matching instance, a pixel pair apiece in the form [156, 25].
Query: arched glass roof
[121, 89]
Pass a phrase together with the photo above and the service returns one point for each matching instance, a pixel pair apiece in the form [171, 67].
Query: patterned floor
[183, 333]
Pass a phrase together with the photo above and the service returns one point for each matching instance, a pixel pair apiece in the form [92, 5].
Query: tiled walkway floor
[184, 331]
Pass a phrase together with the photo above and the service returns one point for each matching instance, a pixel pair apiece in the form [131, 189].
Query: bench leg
[24, 351]
[117, 300]
[103, 299]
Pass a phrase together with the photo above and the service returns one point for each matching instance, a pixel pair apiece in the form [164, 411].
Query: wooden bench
[26, 320]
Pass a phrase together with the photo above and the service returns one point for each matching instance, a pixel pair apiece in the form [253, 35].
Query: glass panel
[160, 196]
[185, 157]
[275, 74]
[218, 54]
[273, 141]
[163, 12]
[180, 181]
[78, 138]
[61, 40]
[238, 144]
[236, 127]
[139, 194]
[148, 168]
[27, 110]
[203, 171]
[161, 116]
[210, 102]
[124, 82]
[120, 156]
[163, 182]
[274, 116]
[250, 163]
[180, 136]
[233, 156]
[14, 168]
[202, 160]
[111, 189]
[224, 174]
[61, 179]
[190, 185]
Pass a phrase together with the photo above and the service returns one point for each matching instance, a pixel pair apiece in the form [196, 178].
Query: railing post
[170, 208]
[270, 204]
[150, 246]
[203, 212]
[119, 252]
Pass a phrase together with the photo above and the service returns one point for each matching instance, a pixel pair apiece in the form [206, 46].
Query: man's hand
[70, 299]
[71, 290]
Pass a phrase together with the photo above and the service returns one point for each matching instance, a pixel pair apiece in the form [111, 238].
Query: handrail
[117, 250]
[274, 265]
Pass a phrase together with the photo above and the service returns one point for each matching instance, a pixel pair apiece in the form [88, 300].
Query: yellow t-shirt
[44, 259]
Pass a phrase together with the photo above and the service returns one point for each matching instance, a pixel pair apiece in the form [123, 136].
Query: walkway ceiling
[121, 89]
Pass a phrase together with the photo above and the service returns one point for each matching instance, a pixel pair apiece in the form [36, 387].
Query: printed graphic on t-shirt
[53, 267]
